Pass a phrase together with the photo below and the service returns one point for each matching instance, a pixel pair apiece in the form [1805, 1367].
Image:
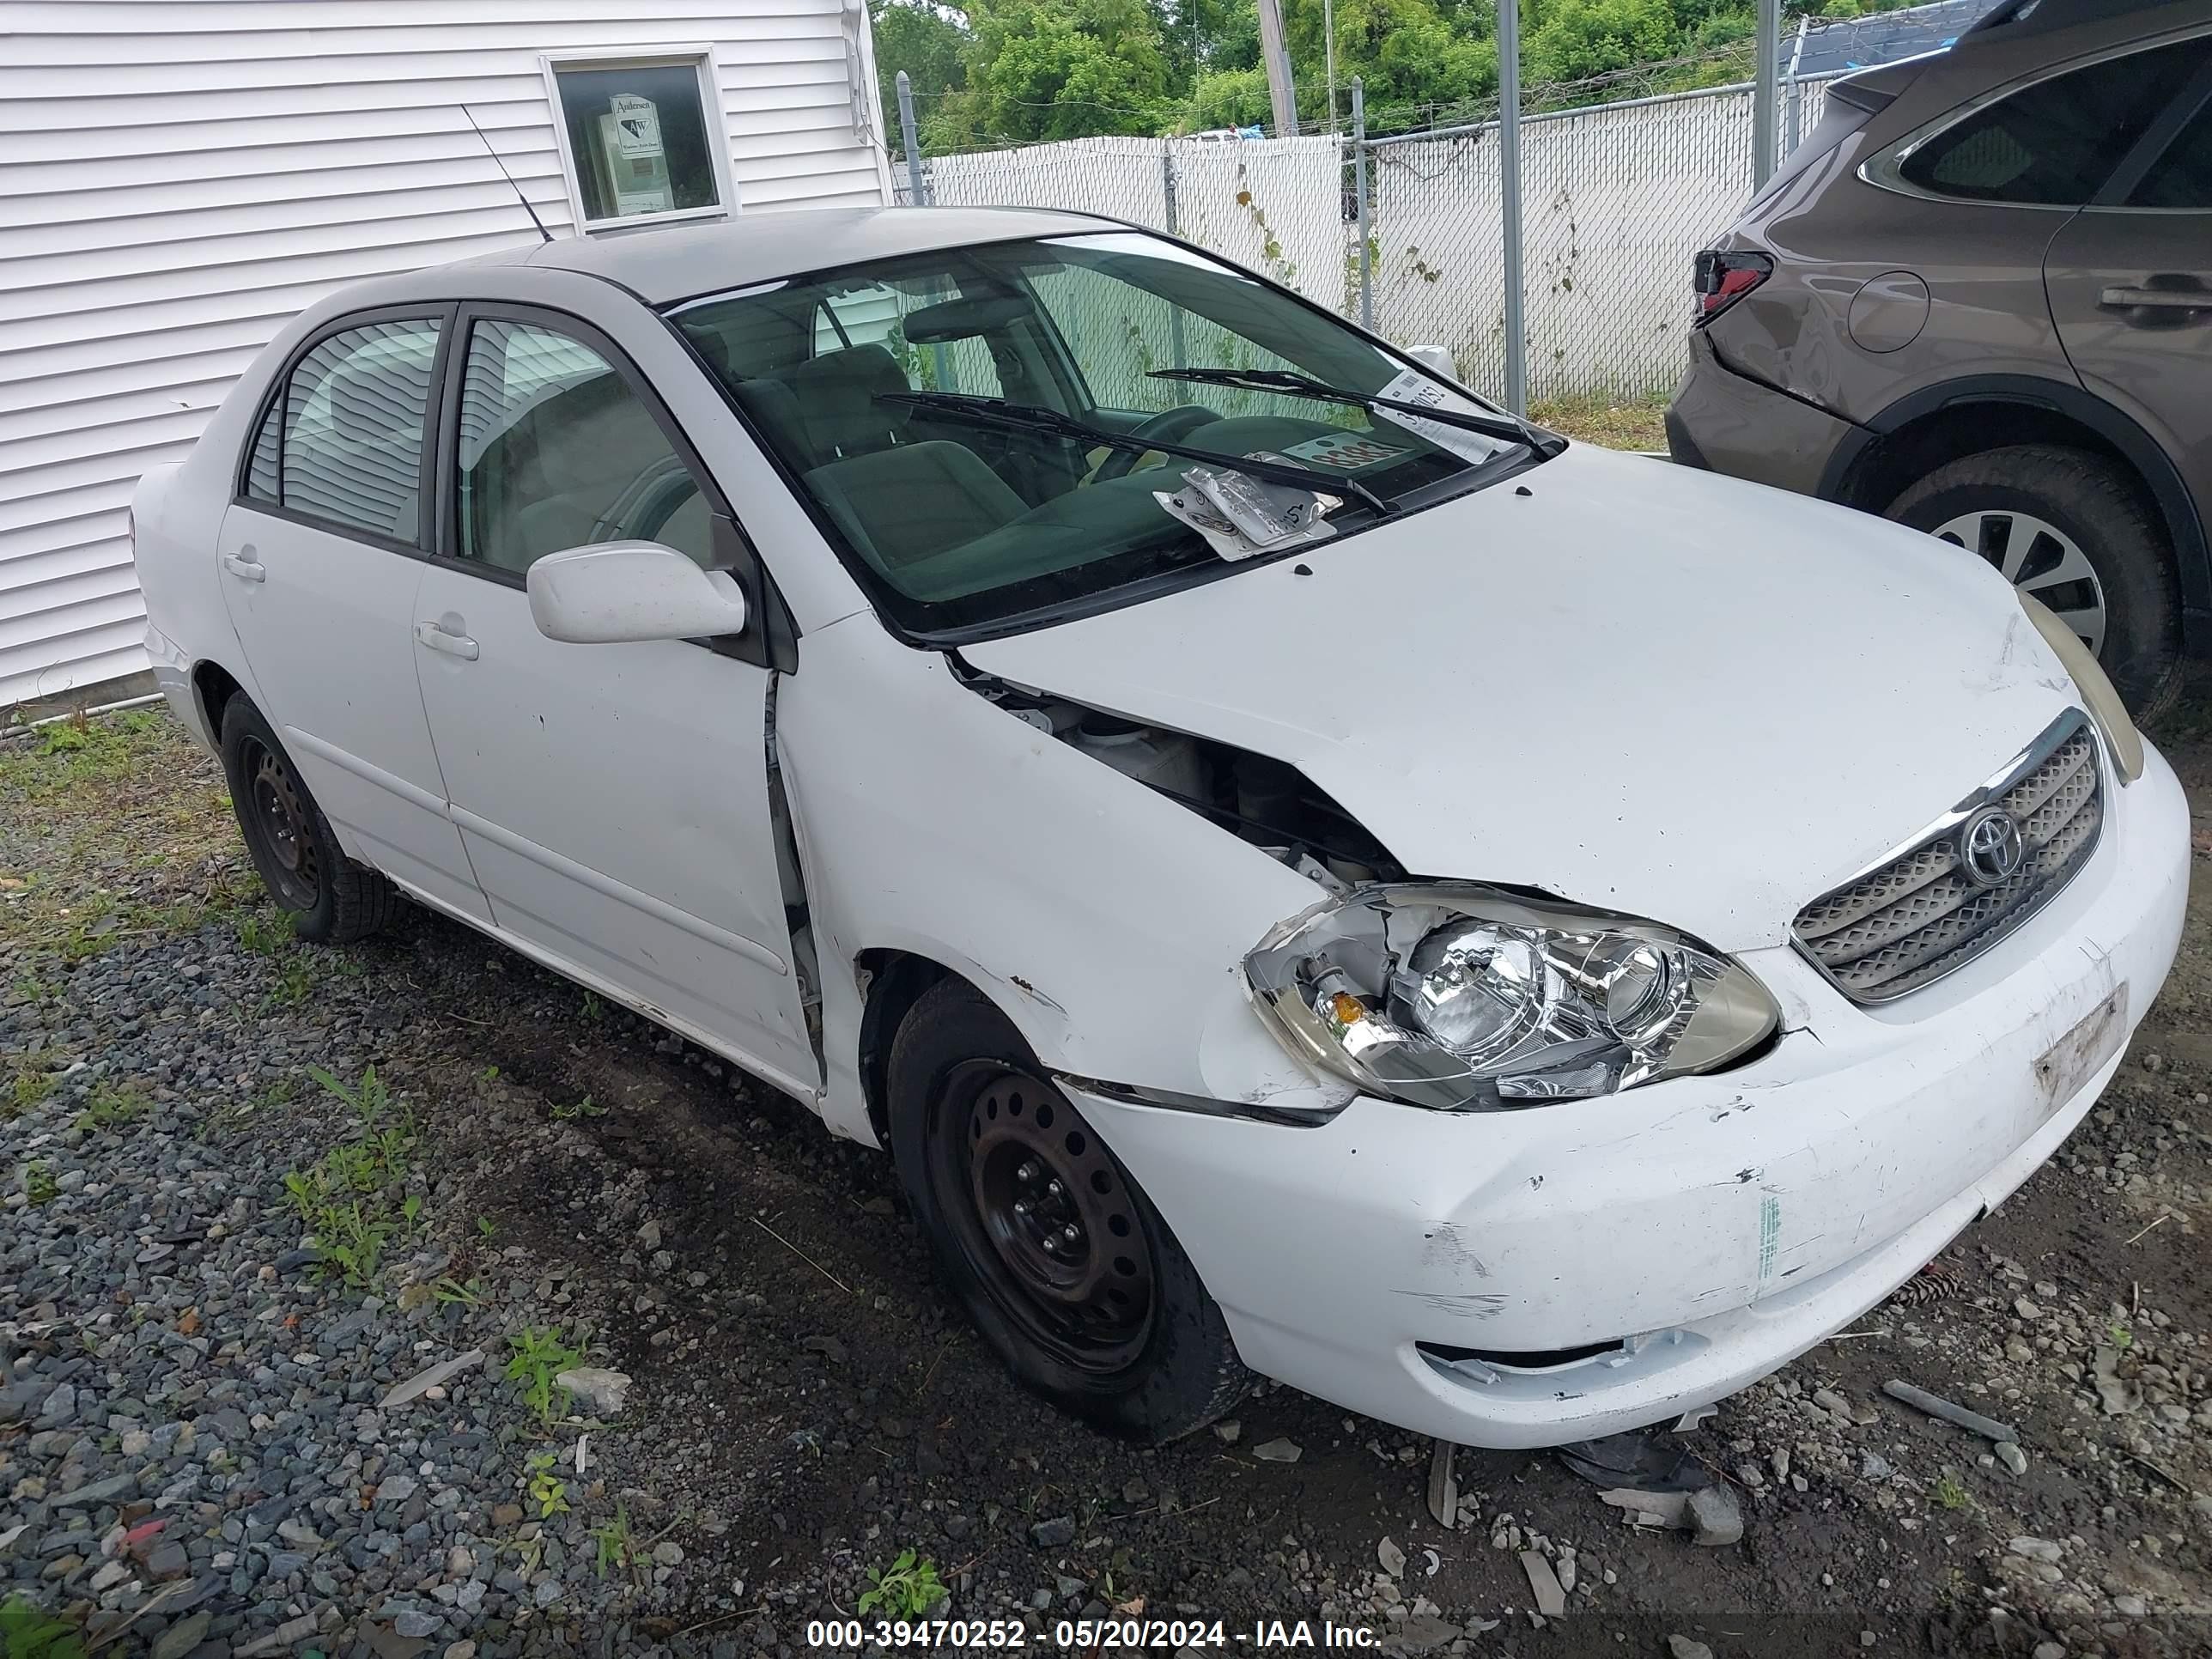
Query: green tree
[926, 42]
[1039, 72]
[1407, 51]
[1229, 98]
[1575, 39]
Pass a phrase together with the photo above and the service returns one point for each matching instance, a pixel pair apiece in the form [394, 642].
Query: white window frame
[700, 58]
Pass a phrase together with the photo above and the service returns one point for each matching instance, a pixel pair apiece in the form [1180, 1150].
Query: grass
[585, 1108]
[25, 1090]
[113, 1106]
[547, 1491]
[616, 1550]
[1631, 423]
[27, 1632]
[540, 1353]
[112, 829]
[351, 1197]
[1949, 1493]
[906, 1588]
[39, 1185]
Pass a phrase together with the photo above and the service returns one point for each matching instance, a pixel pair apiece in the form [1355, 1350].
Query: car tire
[332, 900]
[978, 1133]
[2088, 501]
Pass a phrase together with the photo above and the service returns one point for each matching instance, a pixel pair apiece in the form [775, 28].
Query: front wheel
[2070, 528]
[333, 901]
[1060, 1258]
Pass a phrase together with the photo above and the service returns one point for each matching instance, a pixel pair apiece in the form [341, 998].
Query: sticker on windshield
[1413, 387]
[1346, 451]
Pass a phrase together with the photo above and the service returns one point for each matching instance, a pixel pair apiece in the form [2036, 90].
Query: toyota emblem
[1990, 849]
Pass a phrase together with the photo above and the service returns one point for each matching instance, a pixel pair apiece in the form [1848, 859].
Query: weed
[266, 935]
[1949, 1493]
[27, 1632]
[618, 1550]
[450, 1290]
[29, 1088]
[585, 1108]
[540, 1355]
[2120, 1336]
[39, 1185]
[594, 1008]
[113, 1106]
[295, 983]
[489, 1074]
[346, 1198]
[487, 1229]
[906, 1590]
[36, 992]
[547, 1491]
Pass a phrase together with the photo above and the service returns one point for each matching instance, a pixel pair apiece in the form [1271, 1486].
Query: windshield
[972, 424]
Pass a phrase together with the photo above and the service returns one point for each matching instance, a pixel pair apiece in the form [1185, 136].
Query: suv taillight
[1722, 279]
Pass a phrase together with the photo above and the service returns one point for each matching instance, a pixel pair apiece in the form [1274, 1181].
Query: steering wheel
[1168, 424]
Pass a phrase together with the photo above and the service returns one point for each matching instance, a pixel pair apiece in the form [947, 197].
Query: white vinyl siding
[179, 178]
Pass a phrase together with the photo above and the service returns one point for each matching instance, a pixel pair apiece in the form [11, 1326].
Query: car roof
[671, 263]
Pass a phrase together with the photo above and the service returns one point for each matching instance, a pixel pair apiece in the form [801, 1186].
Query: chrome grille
[1919, 915]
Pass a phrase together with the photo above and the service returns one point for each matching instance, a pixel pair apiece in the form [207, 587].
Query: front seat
[836, 393]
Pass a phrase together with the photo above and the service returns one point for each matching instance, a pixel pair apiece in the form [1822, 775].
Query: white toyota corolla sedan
[1306, 873]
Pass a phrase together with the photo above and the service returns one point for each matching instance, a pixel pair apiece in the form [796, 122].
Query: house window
[641, 137]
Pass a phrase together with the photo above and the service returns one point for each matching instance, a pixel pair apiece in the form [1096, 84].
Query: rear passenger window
[556, 451]
[2182, 178]
[344, 441]
[2055, 143]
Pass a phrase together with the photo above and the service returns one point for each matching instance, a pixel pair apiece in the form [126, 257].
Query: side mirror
[617, 591]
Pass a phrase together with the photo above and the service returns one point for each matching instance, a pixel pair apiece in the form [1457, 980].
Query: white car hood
[1654, 690]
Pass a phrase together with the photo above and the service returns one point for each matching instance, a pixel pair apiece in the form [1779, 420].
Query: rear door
[2130, 282]
[321, 554]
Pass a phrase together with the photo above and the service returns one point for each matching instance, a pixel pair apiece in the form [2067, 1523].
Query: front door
[614, 799]
[320, 563]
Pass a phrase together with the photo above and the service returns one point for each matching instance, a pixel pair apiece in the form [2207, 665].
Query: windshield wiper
[1291, 383]
[1028, 417]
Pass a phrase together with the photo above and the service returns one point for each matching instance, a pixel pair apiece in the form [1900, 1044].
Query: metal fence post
[1168, 200]
[1763, 99]
[1359, 209]
[915, 192]
[1509, 188]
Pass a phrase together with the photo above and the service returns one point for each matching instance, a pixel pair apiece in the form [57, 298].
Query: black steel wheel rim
[276, 808]
[1044, 1216]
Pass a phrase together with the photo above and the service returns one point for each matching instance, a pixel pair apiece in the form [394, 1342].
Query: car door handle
[251, 570]
[453, 645]
[2169, 299]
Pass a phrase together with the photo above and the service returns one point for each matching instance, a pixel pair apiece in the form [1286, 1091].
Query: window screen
[2055, 143]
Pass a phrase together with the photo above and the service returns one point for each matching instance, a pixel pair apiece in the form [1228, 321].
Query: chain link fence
[1616, 200]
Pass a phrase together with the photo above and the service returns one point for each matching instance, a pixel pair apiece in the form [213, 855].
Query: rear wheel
[1060, 1258]
[2073, 530]
[332, 900]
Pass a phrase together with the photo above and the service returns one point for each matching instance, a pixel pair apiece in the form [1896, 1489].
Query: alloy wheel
[1044, 1216]
[2037, 557]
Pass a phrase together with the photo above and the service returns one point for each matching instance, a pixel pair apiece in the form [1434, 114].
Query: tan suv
[1979, 299]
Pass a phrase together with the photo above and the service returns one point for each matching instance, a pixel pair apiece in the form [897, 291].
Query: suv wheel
[1062, 1261]
[2072, 529]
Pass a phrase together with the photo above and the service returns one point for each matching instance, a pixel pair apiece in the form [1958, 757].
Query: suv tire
[2093, 504]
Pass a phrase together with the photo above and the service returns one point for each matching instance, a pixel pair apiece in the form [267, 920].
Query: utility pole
[1275, 54]
[1763, 89]
[1328, 47]
[1509, 179]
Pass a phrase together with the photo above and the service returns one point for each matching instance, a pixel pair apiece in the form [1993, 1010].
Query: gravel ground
[252, 1187]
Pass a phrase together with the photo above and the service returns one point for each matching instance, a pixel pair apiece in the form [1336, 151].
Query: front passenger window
[556, 451]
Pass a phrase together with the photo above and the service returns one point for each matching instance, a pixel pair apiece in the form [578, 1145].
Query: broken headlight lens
[1460, 998]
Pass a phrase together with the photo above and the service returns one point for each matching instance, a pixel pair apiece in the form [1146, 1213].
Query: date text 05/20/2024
[1088, 1635]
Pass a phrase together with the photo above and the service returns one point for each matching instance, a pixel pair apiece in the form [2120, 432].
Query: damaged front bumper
[1529, 1277]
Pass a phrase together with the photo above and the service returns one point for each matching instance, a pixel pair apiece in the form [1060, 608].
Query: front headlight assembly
[1460, 998]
